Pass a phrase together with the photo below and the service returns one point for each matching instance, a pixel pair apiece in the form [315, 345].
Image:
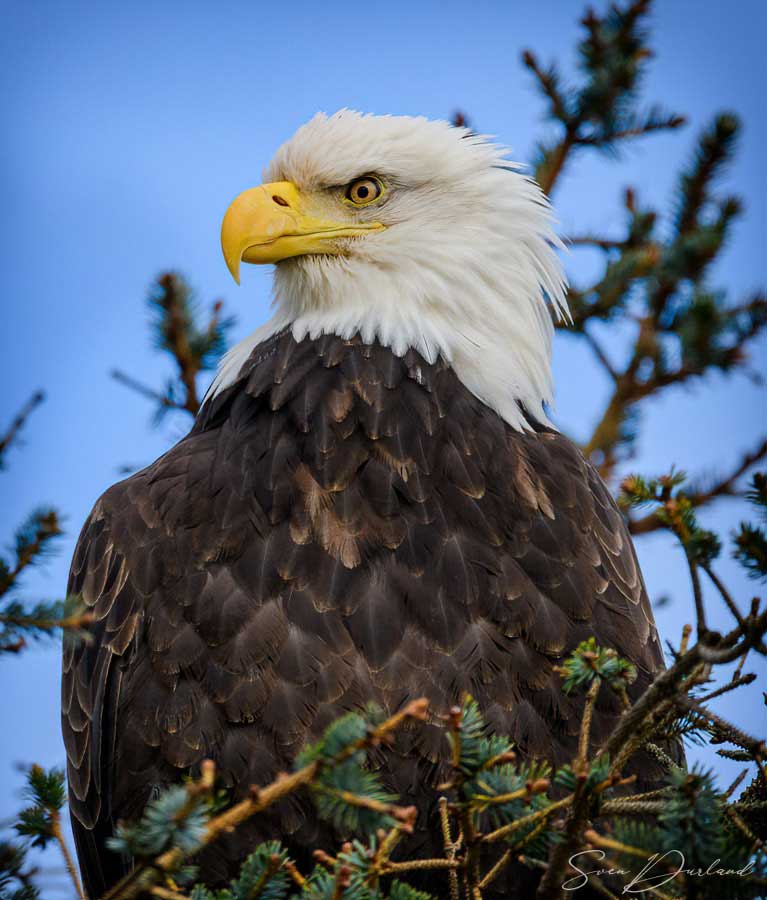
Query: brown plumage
[341, 525]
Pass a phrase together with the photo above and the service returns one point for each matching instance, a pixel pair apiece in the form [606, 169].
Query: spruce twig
[724, 486]
[261, 798]
[194, 346]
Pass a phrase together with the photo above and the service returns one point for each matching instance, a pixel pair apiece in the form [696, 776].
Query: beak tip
[233, 265]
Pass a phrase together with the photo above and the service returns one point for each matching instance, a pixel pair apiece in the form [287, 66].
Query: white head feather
[463, 269]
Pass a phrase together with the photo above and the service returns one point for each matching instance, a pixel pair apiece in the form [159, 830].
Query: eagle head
[414, 233]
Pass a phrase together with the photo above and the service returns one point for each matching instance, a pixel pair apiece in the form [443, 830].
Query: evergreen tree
[655, 286]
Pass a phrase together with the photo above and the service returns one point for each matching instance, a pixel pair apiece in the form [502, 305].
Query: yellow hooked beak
[269, 223]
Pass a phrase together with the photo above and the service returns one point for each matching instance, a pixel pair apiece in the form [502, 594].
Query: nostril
[280, 201]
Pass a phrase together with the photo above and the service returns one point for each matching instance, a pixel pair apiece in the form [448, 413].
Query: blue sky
[129, 127]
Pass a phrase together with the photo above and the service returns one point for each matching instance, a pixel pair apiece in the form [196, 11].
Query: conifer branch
[12, 433]
[600, 112]
[702, 494]
[710, 333]
[20, 622]
[193, 345]
[34, 540]
[260, 799]
[40, 823]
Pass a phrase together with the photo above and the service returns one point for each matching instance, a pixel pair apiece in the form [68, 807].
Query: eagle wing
[341, 525]
[90, 694]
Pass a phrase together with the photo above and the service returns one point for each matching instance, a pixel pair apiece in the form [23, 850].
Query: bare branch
[69, 862]
[671, 122]
[144, 390]
[600, 354]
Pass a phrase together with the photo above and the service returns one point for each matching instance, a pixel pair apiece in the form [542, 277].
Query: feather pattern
[341, 525]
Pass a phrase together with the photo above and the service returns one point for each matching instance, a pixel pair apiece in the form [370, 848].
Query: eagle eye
[364, 190]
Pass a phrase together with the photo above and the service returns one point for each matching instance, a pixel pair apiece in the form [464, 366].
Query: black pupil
[363, 191]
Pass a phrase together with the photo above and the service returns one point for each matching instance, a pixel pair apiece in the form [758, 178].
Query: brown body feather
[341, 525]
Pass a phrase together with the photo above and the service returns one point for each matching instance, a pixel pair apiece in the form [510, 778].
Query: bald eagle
[372, 504]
